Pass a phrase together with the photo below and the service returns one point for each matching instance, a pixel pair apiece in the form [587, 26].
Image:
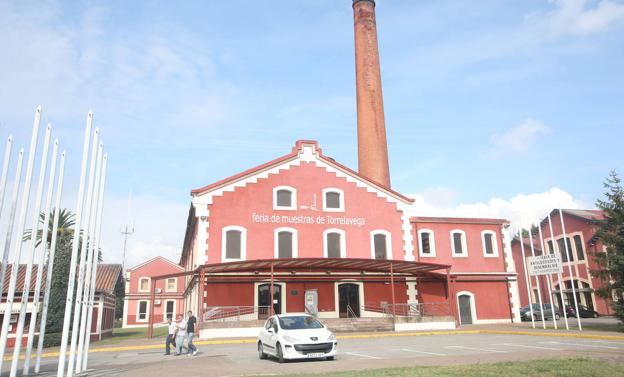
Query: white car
[296, 336]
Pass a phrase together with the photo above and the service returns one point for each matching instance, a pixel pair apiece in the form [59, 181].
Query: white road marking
[423, 352]
[525, 346]
[608, 342]
[477, 349]
[361, 355]
[582, 345]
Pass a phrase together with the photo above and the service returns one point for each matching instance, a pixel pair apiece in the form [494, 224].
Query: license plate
[316, 354]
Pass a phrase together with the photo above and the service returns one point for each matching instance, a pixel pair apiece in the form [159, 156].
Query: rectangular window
[284, 198]
[424, 240]
[551, 247]
[580, 253]
[562, 250]
[489, 244]
[142, 315]
[169, 309]
[380, 246]
[333, 245]
[284, 245]
[332, 200]
[233, 244]
[457, 243]
[144, 284]
[171, 285]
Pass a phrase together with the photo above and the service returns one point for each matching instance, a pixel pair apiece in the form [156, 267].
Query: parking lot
[355, 352]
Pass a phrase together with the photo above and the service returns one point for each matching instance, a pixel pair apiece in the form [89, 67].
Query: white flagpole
[5, 170]
[539, 289]
[43, 246]
[20, 231]
[74, 252]
[569, 258]
[526, 278]
[89, 262]
[46, 295]
[9, 233]
[83, 255]
[556, 250]
[98, 230]
[31, 256]
[550, 295]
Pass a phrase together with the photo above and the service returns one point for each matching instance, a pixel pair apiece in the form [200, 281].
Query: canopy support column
[392, 290]
[272, 305]
[150, 326]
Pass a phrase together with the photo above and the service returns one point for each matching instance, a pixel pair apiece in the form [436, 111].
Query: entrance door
[465, 311]
[264, 298]
[348, 296]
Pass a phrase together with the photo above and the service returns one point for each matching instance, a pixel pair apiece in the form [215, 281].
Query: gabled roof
[21, 277]
[458, 220]
[153, 260]
[107, 277]
[587, 214]
[293, 155]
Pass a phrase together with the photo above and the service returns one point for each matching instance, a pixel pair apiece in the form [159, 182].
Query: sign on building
[545, 265]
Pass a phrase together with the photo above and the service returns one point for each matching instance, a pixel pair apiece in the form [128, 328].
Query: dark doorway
[348, 297]
[465, 311]
[264, 298]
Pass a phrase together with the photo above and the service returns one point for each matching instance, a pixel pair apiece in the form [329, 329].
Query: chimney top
[357, 1]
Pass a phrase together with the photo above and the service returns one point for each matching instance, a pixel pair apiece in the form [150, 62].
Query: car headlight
[332, 337]
[290, 339]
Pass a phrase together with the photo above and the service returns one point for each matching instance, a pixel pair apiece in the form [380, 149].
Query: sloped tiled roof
[587, 214]
[21, 277]
[107, 276]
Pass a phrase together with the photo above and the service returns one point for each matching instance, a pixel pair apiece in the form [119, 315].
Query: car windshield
[299, 323]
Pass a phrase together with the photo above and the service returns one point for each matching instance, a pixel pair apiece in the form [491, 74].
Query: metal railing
[236, 313]
[420, 310]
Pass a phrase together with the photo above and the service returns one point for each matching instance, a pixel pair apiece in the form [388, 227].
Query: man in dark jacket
[191, 322]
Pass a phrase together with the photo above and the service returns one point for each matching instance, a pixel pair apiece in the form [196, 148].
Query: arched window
[233, 243]
[381, 245]
[458, 243]
[285, 243]
[333, 200]
[426, 243]
[334, 244]
[284, 198]
[490, 245]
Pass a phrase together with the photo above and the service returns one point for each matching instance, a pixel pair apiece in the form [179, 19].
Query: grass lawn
[120, 334]
[577, 367]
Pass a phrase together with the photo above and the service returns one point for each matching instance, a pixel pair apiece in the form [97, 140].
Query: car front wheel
[280, 355]
[261, 354]
[330, 358]
[557, 317]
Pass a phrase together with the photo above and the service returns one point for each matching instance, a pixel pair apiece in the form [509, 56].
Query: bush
[50, 340]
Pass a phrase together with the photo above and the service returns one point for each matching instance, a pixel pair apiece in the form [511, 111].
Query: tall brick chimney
[372, 145]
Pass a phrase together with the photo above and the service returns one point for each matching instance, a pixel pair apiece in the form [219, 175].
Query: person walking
[181, 328]
[170, 336]
[191, 322]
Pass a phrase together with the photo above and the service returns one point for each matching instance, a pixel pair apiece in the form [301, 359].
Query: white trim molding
[138, 310]
[243, 240]
[473, 304]
[341, 204]
[464, 244]
[494, 244]
[293, 198]
[432, 248]
[343, 241]
[283, 294]
[174, 313]
[149, 284]
[388, 235]
[175, 283]
[295, 241]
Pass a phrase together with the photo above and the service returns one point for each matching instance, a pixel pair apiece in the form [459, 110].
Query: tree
[611, 235]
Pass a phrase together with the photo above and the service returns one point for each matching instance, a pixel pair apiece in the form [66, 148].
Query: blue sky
[492, 107]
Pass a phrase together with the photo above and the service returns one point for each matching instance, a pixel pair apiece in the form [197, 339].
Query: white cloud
[521, 210]
[519, 138]
[574, 17]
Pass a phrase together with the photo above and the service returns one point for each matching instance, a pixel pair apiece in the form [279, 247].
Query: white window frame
[293, 198]
[147, 309]
[173, 315]
[167, 285]
[494, 244]
[341, 207]
[431, 243]
[224, 231]
[464, 242]
[343, 242]
[295, 240]
[473, 306]
[149, 284]
[388, 242]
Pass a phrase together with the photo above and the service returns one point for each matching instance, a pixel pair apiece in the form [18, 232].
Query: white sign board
[545, 265]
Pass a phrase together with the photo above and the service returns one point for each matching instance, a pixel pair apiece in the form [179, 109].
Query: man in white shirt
[181, 327]
[170, 336]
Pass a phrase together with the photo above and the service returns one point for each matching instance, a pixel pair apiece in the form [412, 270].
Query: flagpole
[539, 290]
[46, 296]
[550, 295]
[569, 258]
[20, 230]
[526, 278]
[556, 250]
[5, 170]
[74, 253]
[7, 242]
